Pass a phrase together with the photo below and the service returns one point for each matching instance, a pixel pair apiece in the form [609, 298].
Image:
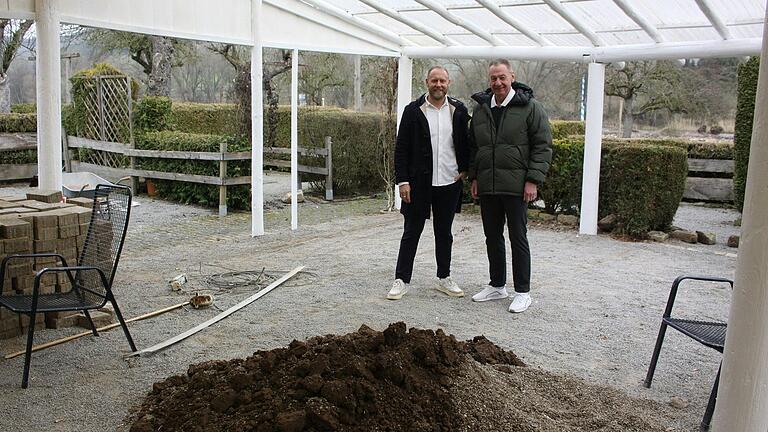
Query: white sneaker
[520, 302]
[399, 288]
[448, 286]
[490, 293]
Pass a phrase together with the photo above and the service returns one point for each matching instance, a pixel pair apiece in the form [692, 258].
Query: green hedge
[745, 111]
[218, 119]
[24, 108]
[13, 122]
[238, 197]
[642, 184]
[565, 128]
[695, 149]
[151, 114]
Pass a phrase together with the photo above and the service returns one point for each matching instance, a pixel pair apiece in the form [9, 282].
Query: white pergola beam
[608, 54]
[416, 25]
[514, 22]
[556, 6]
[593, 138]
[640, 20]
[294, 139]
[450, 17]
[717, 23]
[351, 19]
[48, 78]
[742, 398]
[257, 123]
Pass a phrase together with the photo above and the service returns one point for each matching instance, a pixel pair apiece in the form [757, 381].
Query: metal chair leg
[122, 322]
[655, 356]
[90, 321]
[705, 422]
[28, 355]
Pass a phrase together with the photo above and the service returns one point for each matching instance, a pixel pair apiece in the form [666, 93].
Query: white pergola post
[358, 83]
[48, 73]
[742, 399]
[257, 124]
[404, 90]
[294, 139]
[593, 136]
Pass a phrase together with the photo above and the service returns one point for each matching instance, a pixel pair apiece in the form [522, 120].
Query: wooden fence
[222, 156]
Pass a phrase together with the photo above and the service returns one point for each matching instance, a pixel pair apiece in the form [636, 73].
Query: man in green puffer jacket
[510, 151]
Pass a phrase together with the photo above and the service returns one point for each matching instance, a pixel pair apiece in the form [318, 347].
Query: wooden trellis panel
[108, 111]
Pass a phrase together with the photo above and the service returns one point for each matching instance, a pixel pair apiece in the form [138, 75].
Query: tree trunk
[627, 120]
[5, 94]
[162, 58]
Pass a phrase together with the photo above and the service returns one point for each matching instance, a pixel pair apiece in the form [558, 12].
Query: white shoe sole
[450, 293]
[397, 296]
[485, 299]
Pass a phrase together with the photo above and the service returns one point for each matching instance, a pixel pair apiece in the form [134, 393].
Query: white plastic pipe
[48, 73]
[257, 124]
[593, 136]
[294, 139]
[404, 90]
[742, 399]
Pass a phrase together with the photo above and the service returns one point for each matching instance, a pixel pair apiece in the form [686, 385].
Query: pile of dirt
[393, 380]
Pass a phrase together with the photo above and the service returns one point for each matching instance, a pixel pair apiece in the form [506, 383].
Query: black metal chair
[91, 279]
[708, 333]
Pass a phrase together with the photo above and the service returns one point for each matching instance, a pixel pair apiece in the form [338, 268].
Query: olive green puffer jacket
[521, 150]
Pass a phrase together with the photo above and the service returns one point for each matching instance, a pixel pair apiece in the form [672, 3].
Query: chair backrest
[106, 234]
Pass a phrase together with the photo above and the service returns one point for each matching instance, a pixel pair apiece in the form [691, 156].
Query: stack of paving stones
[40, 223]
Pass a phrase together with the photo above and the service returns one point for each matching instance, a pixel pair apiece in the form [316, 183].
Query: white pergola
[596, 32]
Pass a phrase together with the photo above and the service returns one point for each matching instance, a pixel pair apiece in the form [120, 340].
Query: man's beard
[437, 94]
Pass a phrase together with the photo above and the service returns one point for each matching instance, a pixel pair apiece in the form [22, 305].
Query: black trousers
[494, 209]
[445, 199]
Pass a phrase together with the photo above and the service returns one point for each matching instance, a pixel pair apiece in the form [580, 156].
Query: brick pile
[40, 223]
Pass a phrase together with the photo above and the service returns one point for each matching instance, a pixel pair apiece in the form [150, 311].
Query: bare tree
[382, 89]
[645, 86]
[12, 34]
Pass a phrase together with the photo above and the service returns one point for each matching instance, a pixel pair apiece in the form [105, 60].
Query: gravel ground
[596, 311]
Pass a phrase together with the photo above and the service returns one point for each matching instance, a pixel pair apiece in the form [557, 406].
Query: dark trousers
[444, 202]
[494, 210]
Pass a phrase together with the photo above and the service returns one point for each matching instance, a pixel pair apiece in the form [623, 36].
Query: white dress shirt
[444, 166]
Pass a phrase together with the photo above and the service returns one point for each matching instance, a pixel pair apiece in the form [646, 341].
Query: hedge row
[642, 184]
[695, 149]
[745, 112]
[204, 118]
[14, 122]
[24, 108]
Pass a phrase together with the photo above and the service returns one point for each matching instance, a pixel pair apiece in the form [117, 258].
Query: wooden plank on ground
[708, 189]
[711, 165]
[162, 345]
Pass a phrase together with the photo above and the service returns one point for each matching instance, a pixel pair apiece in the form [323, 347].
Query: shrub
[238, 197]
[564, 128]
[24, 108]
[642, 184]
[745, 111]
[13, 122]
[220, 119]
[695, 149]
[151, 114]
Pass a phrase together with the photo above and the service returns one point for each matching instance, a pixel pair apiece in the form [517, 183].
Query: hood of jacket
[523, 95]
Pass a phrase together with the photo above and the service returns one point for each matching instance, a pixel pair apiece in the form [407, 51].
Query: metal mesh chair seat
[54, 302]
[707, 333]
[711, 334]
[92, 276]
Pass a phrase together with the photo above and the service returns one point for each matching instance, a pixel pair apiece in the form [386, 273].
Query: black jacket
[413, 152]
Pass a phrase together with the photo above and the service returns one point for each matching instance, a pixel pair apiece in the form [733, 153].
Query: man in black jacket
[431, 159]
[511, 149]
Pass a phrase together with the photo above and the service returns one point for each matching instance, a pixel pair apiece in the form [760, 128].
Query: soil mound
[395, 380]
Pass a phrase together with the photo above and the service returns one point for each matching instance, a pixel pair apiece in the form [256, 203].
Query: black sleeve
[402, 147]
[462, 141]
